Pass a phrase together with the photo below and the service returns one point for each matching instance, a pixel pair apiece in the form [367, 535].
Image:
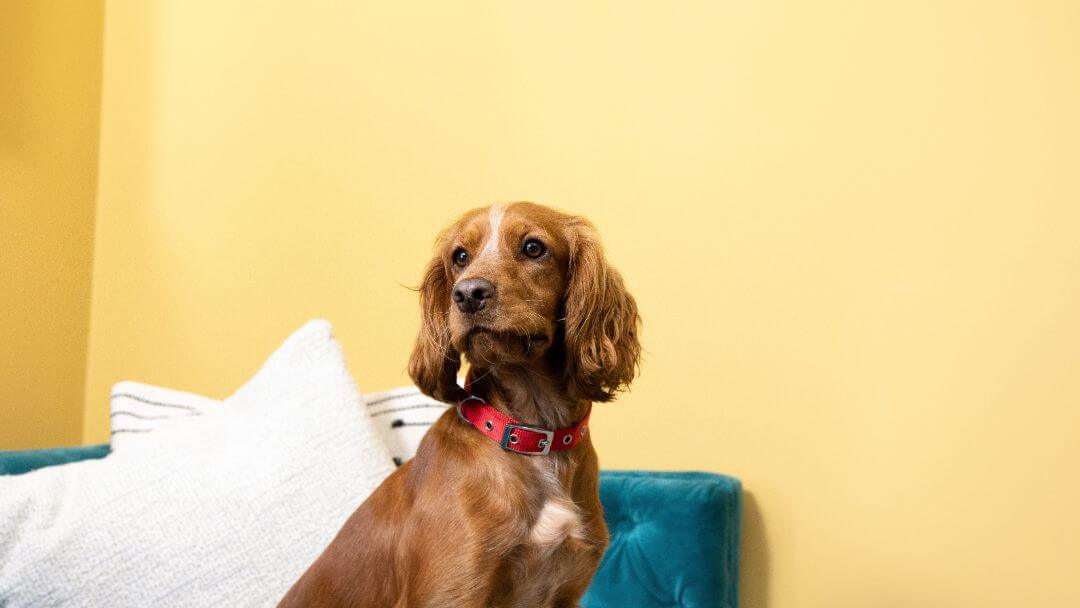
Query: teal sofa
[674, 536]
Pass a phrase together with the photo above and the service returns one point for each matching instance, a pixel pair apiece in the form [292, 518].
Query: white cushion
[226, 509]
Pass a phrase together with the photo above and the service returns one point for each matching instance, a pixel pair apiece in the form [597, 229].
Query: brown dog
[524, 292]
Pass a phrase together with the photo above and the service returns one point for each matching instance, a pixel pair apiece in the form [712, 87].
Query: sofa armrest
[23, 461]
[674, 541]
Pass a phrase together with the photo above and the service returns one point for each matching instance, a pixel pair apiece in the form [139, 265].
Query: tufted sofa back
[674, 541]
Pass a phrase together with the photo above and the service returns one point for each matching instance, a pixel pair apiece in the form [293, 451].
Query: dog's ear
[601, 321]
[434, 363]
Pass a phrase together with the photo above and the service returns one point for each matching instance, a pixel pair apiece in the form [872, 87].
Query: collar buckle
[508, 434]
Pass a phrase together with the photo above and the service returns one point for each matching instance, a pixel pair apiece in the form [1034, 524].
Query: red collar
[511, 434]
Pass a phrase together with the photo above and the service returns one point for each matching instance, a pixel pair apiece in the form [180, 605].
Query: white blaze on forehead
[495, 217]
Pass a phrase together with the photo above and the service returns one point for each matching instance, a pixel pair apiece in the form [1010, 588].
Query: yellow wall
[852, 230]
[50, 86]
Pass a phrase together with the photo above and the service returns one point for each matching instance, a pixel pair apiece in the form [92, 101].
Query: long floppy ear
[434, 363]
[602, 323]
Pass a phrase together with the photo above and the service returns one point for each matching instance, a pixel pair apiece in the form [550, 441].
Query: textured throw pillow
[226, 509]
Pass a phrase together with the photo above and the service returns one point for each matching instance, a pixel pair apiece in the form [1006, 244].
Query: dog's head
[522, 284]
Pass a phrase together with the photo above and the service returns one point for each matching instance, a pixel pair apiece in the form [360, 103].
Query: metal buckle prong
[549, 438]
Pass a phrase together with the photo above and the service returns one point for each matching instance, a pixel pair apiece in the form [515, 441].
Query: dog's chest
[555, 552]
[558, 521]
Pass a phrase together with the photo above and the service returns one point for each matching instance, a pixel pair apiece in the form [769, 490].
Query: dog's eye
[460, 257]
[533, 248]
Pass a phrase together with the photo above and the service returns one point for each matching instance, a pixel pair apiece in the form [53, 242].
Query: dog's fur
[464, 523]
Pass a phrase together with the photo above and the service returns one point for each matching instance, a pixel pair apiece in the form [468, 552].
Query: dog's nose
[471, 295]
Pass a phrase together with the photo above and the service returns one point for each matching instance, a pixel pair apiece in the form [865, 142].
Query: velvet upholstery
[16, 462]
[674, 541]
[674, 536]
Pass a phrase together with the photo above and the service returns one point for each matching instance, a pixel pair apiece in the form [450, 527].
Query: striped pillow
[137, 409]
[401, 415]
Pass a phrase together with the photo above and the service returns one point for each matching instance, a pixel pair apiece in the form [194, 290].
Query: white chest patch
[559, 520]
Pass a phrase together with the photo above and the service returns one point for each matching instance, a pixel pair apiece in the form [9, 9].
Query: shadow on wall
[129, 91]
[754, 556]
[15, 36]
[49, 106]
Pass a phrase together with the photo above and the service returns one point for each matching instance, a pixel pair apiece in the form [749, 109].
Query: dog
[500, 505]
